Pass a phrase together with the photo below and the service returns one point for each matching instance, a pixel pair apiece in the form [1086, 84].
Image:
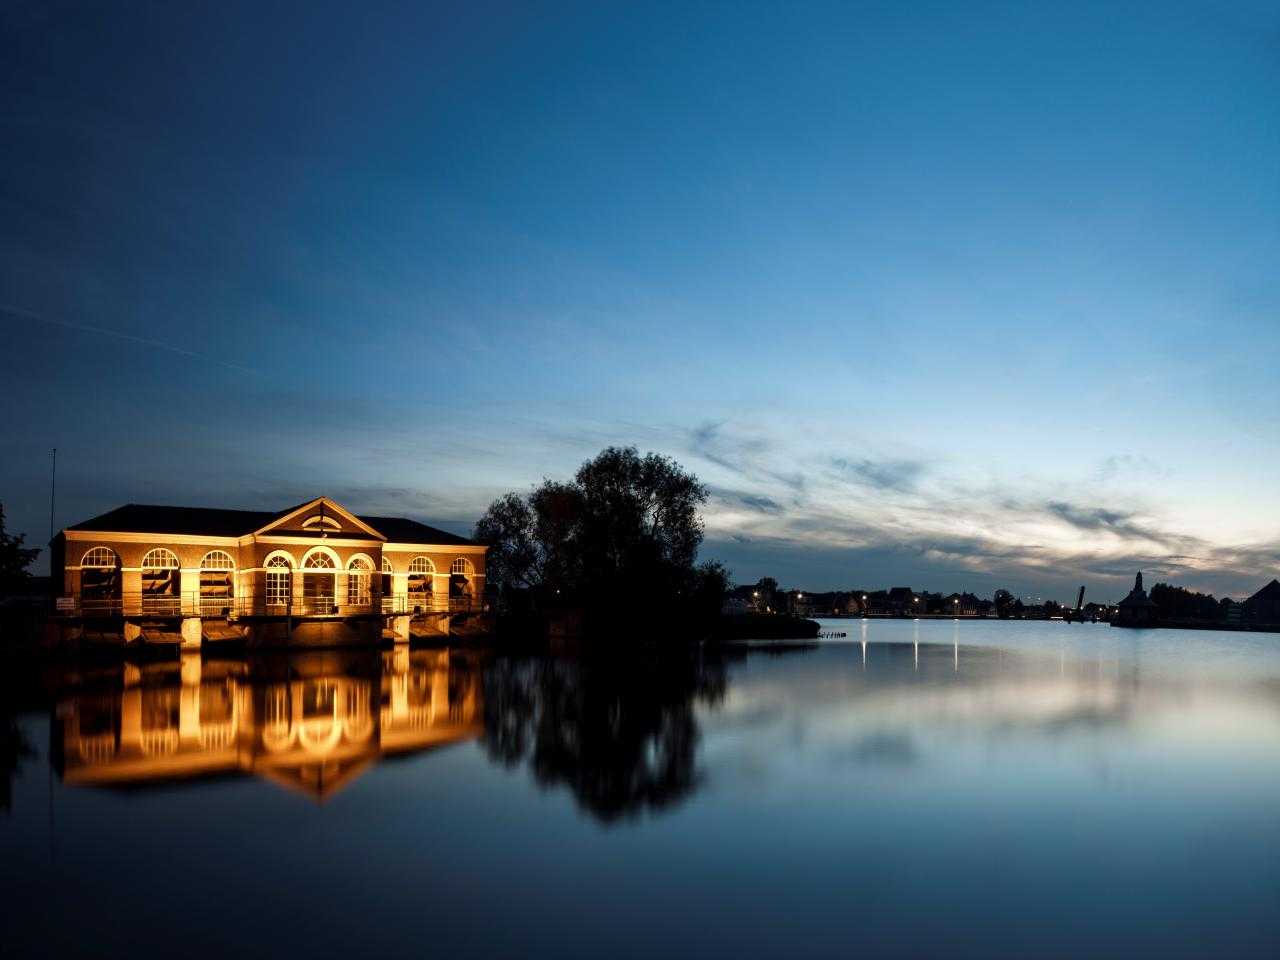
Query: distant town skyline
[957, 297]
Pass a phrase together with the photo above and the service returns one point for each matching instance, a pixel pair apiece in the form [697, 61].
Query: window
[99, 558]
[421, 570]
[319, 561]
[160, 559]
[100, 581]
[461, 567]
[279, 581]
[217, 583]
[386, 566]
[358, 573]
[160, 582]
[217, 560]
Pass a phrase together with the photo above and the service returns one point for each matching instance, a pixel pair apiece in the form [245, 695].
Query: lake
[975, 788]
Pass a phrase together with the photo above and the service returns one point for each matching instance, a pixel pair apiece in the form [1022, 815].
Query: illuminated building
[313, 574]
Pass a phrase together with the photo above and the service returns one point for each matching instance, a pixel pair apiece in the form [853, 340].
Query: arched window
[99, 558]
[421, 577]
[100, 581]
[279, 581]
[217, 583]
[460, 590]
[359, 570]
[319, 589]
[160, 559]
[161, 580]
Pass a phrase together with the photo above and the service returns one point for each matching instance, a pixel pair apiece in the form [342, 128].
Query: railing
[417, 603]
[303, 607]
[195, 605]
[129, 605]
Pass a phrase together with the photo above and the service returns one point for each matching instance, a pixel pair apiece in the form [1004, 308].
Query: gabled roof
[1268, 590]
[212, 522]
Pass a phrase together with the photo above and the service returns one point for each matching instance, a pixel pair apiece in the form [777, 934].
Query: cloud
[749, 501]
[898, 475]
[127, 337]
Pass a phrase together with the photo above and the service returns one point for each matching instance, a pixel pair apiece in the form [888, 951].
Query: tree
[1005, 603]
[626, 529]
[14, 558]
[1179, 603]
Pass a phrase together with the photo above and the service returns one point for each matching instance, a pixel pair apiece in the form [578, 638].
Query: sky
[956, 296]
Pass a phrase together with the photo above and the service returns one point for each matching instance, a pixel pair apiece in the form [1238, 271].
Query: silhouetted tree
[14, 558]
[625, 530]
[1178, 603]
[1005, 604]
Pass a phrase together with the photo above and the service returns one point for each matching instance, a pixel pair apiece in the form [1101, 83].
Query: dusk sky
[948, 295]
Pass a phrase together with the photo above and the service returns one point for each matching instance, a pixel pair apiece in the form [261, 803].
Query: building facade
[314, 573]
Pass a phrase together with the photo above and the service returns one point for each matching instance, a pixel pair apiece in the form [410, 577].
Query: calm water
[975, 788]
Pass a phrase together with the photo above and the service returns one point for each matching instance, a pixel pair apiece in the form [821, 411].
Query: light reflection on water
[978, 788]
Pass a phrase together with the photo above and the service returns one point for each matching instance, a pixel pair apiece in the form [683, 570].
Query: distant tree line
[1179, 603]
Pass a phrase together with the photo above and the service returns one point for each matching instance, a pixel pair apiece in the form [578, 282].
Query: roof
[1266, 591]
[213, 522]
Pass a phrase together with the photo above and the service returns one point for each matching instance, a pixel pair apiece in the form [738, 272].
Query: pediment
[318, 517]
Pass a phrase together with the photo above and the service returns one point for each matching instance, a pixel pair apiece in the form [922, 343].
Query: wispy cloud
[899, 475]
[19, 313]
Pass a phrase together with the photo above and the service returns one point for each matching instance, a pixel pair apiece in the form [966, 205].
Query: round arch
[278, 566]
[217, 583]
[461, 588]
[99, 558]
[421, 584]
[309, 563]
[359, 580]
[284, 555]
[161, 582]
[100, 581]
[158, 558]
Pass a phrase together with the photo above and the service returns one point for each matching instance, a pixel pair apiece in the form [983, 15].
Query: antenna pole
[53, 490]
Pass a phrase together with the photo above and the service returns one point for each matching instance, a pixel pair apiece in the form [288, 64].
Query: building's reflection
[311, 722]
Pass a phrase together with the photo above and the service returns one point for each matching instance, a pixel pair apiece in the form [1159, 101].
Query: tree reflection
[620, 734]
[14, 748]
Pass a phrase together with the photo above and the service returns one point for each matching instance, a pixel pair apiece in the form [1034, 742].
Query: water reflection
[311, 722]
[917, 790]
[622, 736]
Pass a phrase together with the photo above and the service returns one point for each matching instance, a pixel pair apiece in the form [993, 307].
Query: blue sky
[955, 295]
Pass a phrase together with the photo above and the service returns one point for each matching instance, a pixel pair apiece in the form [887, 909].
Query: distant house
[961, 605]
[1137, 609]
[1264, 606]
[903, 601]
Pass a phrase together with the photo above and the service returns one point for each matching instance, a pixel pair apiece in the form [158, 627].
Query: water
[975, 788]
